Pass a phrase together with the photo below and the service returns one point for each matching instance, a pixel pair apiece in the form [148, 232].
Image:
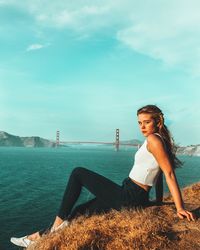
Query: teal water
[32, 182]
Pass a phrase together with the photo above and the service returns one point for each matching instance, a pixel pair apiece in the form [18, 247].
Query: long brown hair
[158, 117]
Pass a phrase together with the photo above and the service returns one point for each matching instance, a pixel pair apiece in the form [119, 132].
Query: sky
[85, 67]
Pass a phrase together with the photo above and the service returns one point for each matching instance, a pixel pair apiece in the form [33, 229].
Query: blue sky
[85, 67]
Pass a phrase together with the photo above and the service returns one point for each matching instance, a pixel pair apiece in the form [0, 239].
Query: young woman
[155, 157]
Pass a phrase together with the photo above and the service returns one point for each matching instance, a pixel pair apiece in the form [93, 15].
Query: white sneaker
[65, 223]
[22, 242]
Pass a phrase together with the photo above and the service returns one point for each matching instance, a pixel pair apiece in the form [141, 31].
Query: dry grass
[155, 227]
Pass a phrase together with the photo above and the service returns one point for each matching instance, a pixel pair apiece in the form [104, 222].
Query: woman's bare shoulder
[154, 141]
[153, 138]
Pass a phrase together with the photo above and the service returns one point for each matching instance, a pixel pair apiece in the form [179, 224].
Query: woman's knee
[78, 170]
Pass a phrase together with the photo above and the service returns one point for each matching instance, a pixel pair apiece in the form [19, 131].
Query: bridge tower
[57, 138]
[117, 140]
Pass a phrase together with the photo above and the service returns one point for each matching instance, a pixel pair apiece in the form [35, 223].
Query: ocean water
[33, 180]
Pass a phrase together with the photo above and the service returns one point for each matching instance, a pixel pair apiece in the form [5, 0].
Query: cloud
[81, 18]
[36, 46]
[167, 31]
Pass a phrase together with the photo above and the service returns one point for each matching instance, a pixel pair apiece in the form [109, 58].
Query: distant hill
[9, 140]
[133, 141]
[192, 150]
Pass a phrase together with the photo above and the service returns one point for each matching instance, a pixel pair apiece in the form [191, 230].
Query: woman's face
[147, 124]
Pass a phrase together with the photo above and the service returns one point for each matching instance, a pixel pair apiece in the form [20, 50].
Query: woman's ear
[159, 125]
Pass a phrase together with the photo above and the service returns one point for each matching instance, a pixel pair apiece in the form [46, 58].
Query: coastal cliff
[8, 140]
[192, 150]
[155, 227]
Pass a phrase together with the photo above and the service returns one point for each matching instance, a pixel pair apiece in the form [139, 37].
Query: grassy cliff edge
[155, 227]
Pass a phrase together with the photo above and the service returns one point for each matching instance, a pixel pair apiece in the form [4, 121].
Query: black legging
[108, 194]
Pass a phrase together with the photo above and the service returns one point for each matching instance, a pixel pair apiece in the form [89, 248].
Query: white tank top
[145, 169]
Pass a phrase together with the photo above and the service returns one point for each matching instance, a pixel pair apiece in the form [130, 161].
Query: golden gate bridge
[116, 143]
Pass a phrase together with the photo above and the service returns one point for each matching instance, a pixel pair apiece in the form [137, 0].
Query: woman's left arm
[155, 146]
